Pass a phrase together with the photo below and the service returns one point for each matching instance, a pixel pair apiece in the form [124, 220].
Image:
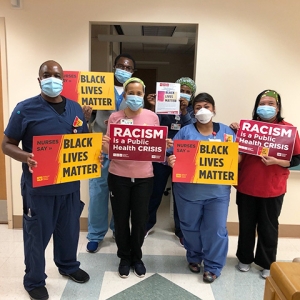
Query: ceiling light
[143, 39]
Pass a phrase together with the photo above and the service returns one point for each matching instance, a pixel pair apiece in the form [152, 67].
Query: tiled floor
[167, 274]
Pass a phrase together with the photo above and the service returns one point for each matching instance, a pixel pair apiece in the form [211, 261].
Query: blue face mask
[266, 112]
[185, 96]
[122, 75]
[51, 86]
[134, 102]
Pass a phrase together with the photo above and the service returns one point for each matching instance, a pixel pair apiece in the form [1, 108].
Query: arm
[185, 116]
[269, 160]
[105, 144]
[87, 112]
[11, 148]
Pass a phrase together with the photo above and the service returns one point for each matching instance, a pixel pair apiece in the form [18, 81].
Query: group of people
[135, 188]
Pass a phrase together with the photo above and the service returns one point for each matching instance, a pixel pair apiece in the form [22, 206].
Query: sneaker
[79, 276]
[147, 232]
[139, 269]
[265, 273]
[39, 293]
[124, 269]
[181, 241]
[243, 267]
[209, 277]
[92, 247]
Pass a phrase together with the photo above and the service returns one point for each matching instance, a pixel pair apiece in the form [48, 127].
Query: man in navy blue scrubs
[49, 210]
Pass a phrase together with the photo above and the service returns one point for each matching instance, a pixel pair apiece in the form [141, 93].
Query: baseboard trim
[285, 230]
[18, 223]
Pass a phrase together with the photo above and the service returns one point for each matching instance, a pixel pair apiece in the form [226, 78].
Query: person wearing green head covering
[162, 171]
[262, 184]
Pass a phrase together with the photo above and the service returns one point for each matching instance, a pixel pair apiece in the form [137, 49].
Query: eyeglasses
[126, 68]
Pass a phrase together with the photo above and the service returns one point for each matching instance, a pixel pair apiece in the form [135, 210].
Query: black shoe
[39, 293]
[79, 276]
[124, 269]
[209, 277]
[139, 269]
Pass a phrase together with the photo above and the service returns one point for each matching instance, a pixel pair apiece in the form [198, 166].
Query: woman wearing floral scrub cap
[162, 171]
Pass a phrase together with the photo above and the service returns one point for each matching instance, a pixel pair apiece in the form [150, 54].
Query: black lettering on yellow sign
[74, 157]
[96, 101]
[80, 170]
[79, 142]
[92, 79]
[211, 162]
[213, 149]
[96, 90]
[217, 175]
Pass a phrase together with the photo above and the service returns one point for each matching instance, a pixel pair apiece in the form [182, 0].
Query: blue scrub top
[195, 191]
[36, 117]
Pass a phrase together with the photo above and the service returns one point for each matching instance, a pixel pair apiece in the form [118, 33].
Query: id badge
[175, 126]
[214, 140]
[127, 121]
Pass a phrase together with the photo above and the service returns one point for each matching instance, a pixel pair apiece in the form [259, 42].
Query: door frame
[3, 70]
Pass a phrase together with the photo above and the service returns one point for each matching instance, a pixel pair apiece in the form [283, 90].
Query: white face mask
[204, 115]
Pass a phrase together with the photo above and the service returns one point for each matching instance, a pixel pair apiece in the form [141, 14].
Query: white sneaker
[243, 267]
[265, 273]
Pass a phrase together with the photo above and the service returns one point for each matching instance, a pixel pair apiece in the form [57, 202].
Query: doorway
[166, 52]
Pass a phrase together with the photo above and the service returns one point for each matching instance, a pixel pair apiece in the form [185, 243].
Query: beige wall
[243, 48]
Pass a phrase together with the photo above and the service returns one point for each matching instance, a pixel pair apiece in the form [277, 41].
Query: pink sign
[137, 142]
[266, 139]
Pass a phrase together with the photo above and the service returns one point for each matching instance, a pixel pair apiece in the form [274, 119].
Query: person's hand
[169, 143]
[31, 162]
[234, 126]
[87, 111]
[105, 144]
[171, 160]
[151, 98]
[183, 106]
[269, 160]
[101, 159]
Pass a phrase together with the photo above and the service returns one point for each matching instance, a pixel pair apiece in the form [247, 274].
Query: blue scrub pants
[203, 224]
[161, 175]
[98, 206]
[57, 215]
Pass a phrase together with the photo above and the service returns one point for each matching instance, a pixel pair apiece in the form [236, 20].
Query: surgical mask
[204, 115]
[122, 75]
[134, 102]
[52, 86]
[185, 96]
[266, 112]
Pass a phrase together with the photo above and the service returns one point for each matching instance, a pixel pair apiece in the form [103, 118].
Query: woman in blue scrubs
[203, 208]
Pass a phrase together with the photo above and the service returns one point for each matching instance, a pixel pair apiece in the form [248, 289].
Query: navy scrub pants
[44, 216]
[161, 175]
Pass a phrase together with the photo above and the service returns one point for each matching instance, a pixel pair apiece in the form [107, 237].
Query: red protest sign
[266, 139]
[137, 142]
